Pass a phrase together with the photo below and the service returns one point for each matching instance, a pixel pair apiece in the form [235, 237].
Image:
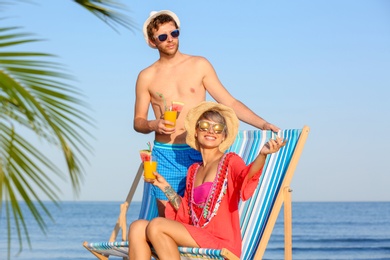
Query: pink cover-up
[223, 230]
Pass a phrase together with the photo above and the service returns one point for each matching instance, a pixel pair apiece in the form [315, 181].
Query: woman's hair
[215, 116]
[156, 22]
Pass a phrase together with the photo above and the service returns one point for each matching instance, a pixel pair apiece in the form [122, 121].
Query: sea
[321, 230]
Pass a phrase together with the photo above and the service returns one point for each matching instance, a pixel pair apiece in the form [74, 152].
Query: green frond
[105, 10]
[36, 95]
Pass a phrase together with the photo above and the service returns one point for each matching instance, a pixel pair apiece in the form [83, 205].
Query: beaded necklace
[202, 214]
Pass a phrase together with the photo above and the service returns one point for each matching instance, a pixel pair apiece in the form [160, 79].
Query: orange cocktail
[170, 116]
[149, 168]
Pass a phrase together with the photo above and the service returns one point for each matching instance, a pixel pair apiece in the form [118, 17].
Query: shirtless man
[184, 78]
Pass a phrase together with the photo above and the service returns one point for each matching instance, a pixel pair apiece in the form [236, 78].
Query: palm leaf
[35, 95]
[105, 10]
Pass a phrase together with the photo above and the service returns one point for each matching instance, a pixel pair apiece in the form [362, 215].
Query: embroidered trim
[201, 215]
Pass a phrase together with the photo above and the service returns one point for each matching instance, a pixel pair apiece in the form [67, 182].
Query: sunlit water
[334, 230]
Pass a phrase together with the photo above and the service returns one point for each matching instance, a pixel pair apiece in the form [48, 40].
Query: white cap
[154, 14]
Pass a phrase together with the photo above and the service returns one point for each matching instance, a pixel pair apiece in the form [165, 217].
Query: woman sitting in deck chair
[207, 215]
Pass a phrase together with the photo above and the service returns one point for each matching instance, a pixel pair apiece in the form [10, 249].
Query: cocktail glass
[170, 116]
[149, 168]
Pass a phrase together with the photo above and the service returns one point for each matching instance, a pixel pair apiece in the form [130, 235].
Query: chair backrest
[148, 206]
[254, 212]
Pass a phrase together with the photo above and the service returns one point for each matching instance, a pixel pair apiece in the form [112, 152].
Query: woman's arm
[164, 186]
[272, 146]
[172, 196]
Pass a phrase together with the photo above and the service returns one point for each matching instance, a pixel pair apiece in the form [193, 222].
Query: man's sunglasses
[205, 126]
[163, 37]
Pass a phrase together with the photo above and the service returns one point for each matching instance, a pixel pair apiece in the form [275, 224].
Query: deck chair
[258, 215]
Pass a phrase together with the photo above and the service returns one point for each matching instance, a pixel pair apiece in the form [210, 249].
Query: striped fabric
[149, 206]
[254, 213]
[199, 253]
[119, 249]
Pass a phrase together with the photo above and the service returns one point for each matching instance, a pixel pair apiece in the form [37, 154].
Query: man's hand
[269, 126]
[162, 129]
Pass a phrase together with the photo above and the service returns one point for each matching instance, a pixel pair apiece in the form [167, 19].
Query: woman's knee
[137, 228]
[156, 226]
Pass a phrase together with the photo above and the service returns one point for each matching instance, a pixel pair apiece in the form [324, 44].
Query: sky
[324, 64]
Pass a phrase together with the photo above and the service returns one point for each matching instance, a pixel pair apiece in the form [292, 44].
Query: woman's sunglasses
[163, 37]
[205, 126]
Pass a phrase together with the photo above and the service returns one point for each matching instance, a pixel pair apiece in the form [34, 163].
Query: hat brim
[232, 123]
[153, 15]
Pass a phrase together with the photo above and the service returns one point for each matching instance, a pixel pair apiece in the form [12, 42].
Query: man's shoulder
[194, 60]
[197, 58]
[147, 71]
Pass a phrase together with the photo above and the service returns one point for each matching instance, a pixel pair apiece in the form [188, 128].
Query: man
[177, 77]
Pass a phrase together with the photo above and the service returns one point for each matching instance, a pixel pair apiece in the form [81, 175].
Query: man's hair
[157, 22]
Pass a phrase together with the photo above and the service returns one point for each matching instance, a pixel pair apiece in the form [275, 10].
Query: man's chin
[169, 51]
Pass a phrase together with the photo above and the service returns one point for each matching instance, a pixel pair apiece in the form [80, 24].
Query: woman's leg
[166, 235]
[139, 248]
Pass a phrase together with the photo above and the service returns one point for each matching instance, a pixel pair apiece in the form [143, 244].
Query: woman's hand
[273, 145]
[159, 182]
[164, 186]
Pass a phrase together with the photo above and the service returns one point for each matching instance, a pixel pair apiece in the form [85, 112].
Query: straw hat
[154, 14]
[194, 114]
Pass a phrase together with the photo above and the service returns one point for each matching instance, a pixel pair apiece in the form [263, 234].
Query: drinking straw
[163, 98]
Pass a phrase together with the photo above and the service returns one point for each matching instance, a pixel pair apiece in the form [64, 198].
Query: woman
[207, 215]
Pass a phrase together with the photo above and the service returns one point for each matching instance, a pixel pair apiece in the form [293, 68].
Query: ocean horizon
[321, 230]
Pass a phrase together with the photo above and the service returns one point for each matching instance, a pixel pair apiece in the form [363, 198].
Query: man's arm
[215, 88]
[141, 108]
[246, 115]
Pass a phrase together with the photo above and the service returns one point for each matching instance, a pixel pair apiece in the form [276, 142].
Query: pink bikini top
[202, 192]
